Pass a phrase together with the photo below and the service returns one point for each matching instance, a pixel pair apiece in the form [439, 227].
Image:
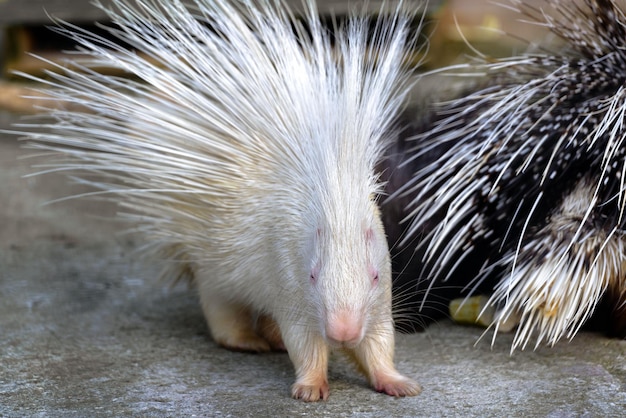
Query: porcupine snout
[345, 327]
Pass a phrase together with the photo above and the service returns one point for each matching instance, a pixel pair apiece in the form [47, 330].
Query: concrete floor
[87, 330]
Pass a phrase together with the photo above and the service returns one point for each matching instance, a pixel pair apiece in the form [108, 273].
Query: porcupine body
[525, 192]
[244, 148]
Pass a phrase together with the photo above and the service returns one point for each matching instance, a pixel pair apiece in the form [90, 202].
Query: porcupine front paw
[397, 385]
[374, 356]
[309, 355]
[310, 391]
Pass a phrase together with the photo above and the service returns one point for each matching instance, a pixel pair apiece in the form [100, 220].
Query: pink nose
[344, 327]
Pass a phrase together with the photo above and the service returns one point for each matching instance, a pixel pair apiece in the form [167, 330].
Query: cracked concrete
[88, 330]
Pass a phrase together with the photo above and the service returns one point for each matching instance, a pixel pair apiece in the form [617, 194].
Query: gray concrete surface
[87, 330]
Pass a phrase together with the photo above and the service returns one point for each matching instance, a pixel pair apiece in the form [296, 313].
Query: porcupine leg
[231, 324]
[374, 356]
[309, 354]
[269, 330]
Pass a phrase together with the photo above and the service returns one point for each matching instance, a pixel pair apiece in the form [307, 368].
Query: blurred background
[455, 29]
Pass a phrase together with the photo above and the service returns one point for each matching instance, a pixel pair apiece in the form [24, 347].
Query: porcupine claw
[398, 386]
[311, 392]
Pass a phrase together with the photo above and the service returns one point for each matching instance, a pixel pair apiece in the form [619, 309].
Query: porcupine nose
[344, 328]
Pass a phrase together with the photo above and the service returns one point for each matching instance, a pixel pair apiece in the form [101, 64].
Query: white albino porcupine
[520, 184]
[243, 147]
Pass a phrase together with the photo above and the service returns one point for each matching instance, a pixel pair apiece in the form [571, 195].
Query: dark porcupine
[520, 185]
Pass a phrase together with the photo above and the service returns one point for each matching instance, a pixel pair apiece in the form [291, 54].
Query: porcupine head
[249, 159]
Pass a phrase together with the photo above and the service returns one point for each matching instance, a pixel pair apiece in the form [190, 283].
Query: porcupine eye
[315, 272]
[371, 269]
[373, 274]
